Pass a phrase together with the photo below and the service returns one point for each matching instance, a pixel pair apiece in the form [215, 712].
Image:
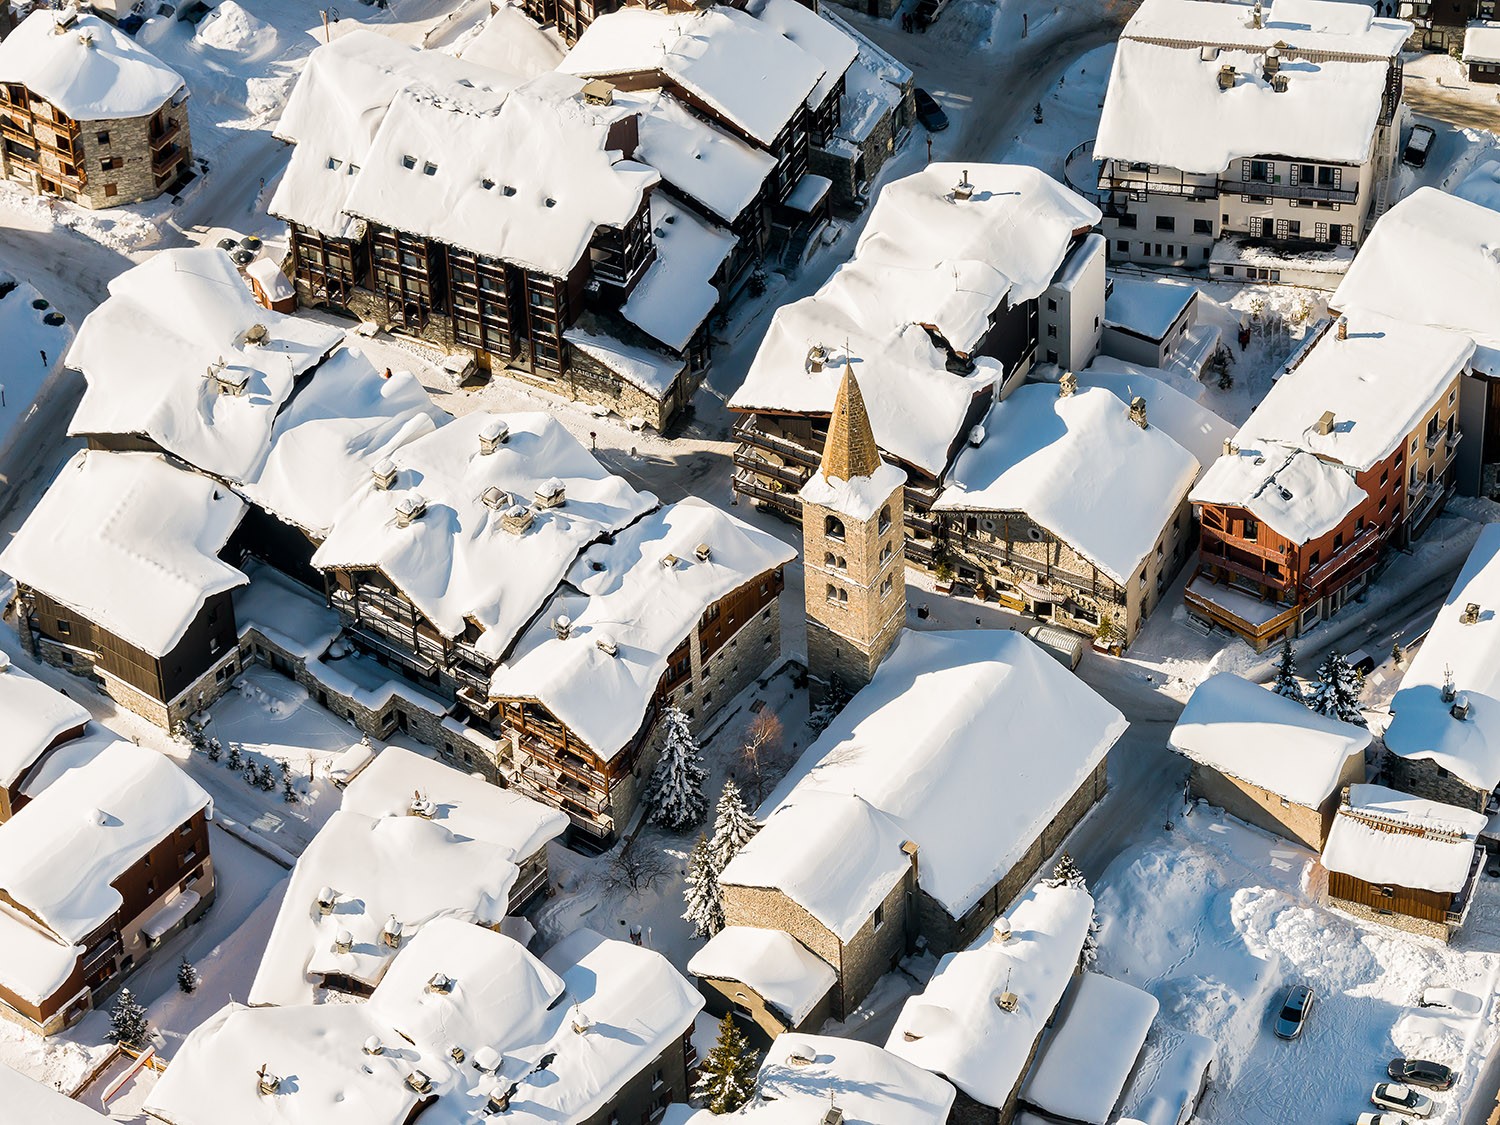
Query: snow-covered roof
[380, 867]
[1294, 493]
[172, 331]
[1146, 307]
[32, 1101]
[803, 1075]
[340, 424]
[918, 744]
[1432, 259]
[955, 1027]
[627, 593]
[1380, 383]
[676, 294]
[91, 70]
[1185, 420]
[131, 543]
[526, 177]
[805, 27]
[1165, 106]
[61, 852]
[1423, 725]
[456, 562]
[738, 67]
[511, 42]
[648, 369]
[1246, 731]
[702, 161]
[465, 804]
[1321, 26]
[1083, 1066]
[860, 498]
[273, 283]
[336, 109]
[33, 716]
[772, 962]
[1482, 185]
[1079, 466]
[36, 963]
[1394, 839]
[1482, 43]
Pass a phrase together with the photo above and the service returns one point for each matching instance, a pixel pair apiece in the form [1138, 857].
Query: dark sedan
[929, 113]
[1419, 1072]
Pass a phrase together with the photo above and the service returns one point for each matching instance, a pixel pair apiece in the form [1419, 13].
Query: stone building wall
[1439, 930]
[1423, 777]
[640, 1095]
[1264, 809]
[724, 996]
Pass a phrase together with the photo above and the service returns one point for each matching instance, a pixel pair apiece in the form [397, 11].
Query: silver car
[1403, 1099]
[1294, 1010]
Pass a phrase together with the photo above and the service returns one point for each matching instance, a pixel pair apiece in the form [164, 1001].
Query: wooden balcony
[529, 747]
[165, 137]
[747, 432]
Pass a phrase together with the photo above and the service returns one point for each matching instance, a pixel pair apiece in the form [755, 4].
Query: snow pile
[34, 717]
[1482, 43]
[1482, 185]
[229, 27]
[32, 1101]
[130, 543]
[958, 1029]
[1246, 731]
[913, 756]
[511, 43]
[91, 70]
[1294, 493]
[773, 963]
[858, 498]
[1081, 1070]
[676, 294]
[1385, 837]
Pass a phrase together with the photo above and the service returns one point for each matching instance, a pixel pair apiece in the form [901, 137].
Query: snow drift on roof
[918, 744]
[1482, 185]
[33, 716]
[625, 592]
[955, 1028]
[131, 543]
[32, 1101]
[92, 71]
[805, 27]
[1423, 725]
[1164, 106]
[1187, 422]
[1310, 25]
[1371, 840]
[1080, 467]
[456, 562]
[511, 43]
[676, 294]
[870, 1085]
[59, 854]
[740, 68]
[1433, 259]
[772, 962]
[860, 498]
[1294, 493]
[1246, 731]
[34, 963]
[1147, 308]
[647, 369]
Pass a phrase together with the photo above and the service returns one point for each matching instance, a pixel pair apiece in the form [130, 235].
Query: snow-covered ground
[32, 354]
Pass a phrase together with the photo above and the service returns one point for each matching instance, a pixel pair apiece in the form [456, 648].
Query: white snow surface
[738, 66]
[1295, 493]
[1187, 422]
[1400, 858]
[1081, 468]
[806, 28]
[1246, 731]
[59, 854]
[1164, 106]
[34, 1102]
[650, 370]
[1482, 185]
[860, 498]
[676, 294]
[33, 716]
[131, 543]
[147, 354]
[526, 177]
[456, 562]
[955, 1028]
[92, 71]
[917, 743]
[1311, 25]
[273, 283]
[1422, 725]
[626, 592]
[510, 42]
[1482, 43]
[1145, 307]
[1433, 259]
[1082, 1068]
[772, 962]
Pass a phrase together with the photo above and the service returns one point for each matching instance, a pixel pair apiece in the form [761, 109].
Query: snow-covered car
[1378, 1119]
[1464, 1003]
[1418, 145]
[1421, 1072]
[1294, 1010]
[1403, 1099]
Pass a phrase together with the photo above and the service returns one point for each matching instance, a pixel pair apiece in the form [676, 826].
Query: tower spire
[850, 450]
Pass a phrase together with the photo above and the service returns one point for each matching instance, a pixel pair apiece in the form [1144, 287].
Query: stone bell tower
[854, 553]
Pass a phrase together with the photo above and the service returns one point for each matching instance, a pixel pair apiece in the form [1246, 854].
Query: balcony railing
[747, 457]
[1140, 187]
[531, 747]
[165, 137]
[747, 432]
[746, 484]
[1278, 190]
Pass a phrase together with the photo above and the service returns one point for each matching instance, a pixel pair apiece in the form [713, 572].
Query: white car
[1464, 1003]
[1378, 1119]
[1403, 1099]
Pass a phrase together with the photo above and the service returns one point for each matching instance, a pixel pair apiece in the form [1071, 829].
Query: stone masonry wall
[1423, 777]
[1422, 926]
[1267, 810]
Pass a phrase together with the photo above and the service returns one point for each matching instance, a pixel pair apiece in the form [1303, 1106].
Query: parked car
[1294, 1009]
[929, 113]
[1378, 1119]
[1360, 660]
[1464, 1003]
[1403, 1099]
[1418, 146]
[927, 11]
[1064, 645]
[1420, 1072]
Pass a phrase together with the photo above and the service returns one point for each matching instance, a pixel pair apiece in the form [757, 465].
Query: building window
[885, 552]
[1052, 331]
[885, 519]
[110, 191]
[879, 915]
[1051, 304]
[1122, 246]
[64, 628]
[1203, 226]
[833, 527]
[1251, 528]
[885, 587]
[1166, 222]
[1051, 355]
[1127, 221]
[103, 138]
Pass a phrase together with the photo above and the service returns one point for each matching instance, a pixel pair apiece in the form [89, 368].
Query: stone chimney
[1341, 328]
[1138, 412]
[1067, 386]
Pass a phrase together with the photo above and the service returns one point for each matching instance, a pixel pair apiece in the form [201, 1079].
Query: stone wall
[765, 1022]
[1269, 811]
[1423, 777]
[1439, 930]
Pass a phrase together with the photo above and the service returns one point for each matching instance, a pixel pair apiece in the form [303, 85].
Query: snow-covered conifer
[726, 1079]
[733, 826]
[676, 793]
[1337, 691]
[705, 907]
[1287, 683]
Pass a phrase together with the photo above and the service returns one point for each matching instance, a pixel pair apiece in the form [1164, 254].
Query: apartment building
[1440, 25]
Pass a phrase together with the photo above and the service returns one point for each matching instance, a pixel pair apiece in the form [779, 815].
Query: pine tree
[264, 778]
[726, 1080]
[824, 713]
[705, 907]
[187, 976]
[127, 1021]
[1286, 673]
[733, 826]
[1337, 691]
[1066, 874]
[236, 760]
[1090, 954]
[677, 800]
[288, 789]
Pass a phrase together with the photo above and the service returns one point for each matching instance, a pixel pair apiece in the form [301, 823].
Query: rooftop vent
[487, 1059]
[1000, 931]
[1007, 1001]
[1470, 616]
[268, 1083]
[1460, 708]
[228, 380]
[343, 942]
[1230, 448]
[562, 625]
[499, 1100]
[409, 509]
[440, 982]
[492, 435]
[1341, 329]
[817, 358]
[801, 1054]
[1325, 423]
[391, 934]
[597, 92]
[1138, 412]
[1227, 76]
[456, 1053]
[419, 1082]
[833, 1115]
[976, 434]
[258, 335]
[702, 552]
[582, 1025]
[384, 474]
[1208, 54]
[421, 805]
[1270, 63]
[1067, 385]
[327, 899]
[606, 644]
[1280, 83]
[65, 18]
[963, 189]
[551, 493]
[1257, 16]
[516, 519]
[1450, 690]
[372, 1046]
[668, 561]
[95, 817]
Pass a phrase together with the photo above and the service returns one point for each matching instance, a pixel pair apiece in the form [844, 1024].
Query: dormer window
[408, 162]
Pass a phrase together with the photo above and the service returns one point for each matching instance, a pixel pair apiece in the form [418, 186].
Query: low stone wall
[1439, 930]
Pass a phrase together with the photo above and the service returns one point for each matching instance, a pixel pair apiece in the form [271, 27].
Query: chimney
[257, 335]
[516, 519]
[1324, 424]
[500, 1099]
[65, 19]
[268, 1082]
[457, 1054]
[228, 380]
[384, 473]
[1344, 797]
[834, 1115]
[440, 982]
[1470, 615]
[1227, 75]
[801, 1054]
[551, 494]
[372, 1046]
[492, 435]
[977, 434]
[562, 625]
[1257, 16]
[327, 899]
[964, 189]
[391, 934]
[1460, 708]
[343, 942]
[1230, 449]
[421, 806]
[1067, 386]
[1007, 1001]
[419, 1082]
[1341, 329]
[702, 552]
[1000, 932]
[1138, 412]
[597, 92]
[817, 358]
[1208, 53]
[1280, 83]
[409, 509]
[487, 1060]
[606, 644]
[581, 1022]
[1270, 63]
[496, 499]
